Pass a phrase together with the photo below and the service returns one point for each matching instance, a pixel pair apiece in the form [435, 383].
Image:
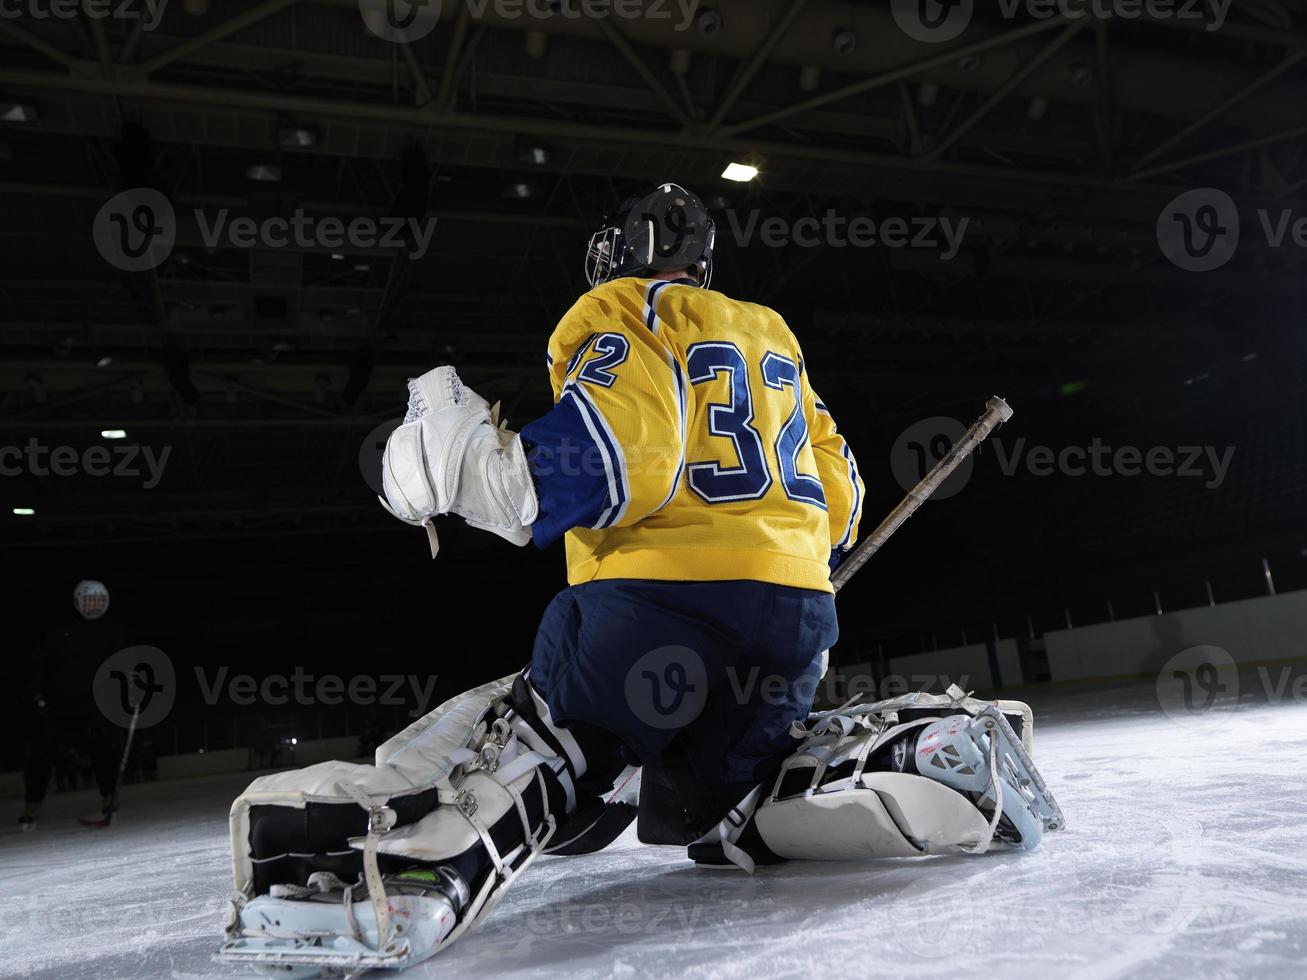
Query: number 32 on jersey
[737, 420]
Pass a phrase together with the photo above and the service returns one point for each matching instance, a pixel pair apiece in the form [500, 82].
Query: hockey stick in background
[96, 823]
[996, 413]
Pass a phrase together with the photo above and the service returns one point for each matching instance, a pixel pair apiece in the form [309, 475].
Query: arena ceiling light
[24, 512]
[297, 137]
[264, 173]
[741, 173]
[113, 433]
[18, 112]
[533, 153]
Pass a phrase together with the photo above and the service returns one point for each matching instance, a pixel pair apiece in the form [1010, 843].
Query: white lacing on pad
[436, 389]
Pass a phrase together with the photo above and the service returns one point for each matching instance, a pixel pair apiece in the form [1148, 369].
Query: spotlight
[519, 192]
[297, 137]
[18, 112]
[741, 173]
[113, 433]
[533, 153]
[264, 173]
[24, 512]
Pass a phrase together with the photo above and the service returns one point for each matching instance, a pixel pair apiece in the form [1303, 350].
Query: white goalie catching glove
[451, 457]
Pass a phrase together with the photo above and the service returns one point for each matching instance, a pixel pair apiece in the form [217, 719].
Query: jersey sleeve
[838, 470]
[612, 450]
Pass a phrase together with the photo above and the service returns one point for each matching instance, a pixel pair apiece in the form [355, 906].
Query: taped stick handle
[996, 413]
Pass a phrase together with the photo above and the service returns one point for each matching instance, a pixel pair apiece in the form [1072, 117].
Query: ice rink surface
[1185, 856]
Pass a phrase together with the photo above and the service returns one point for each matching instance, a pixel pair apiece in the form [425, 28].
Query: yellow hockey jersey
[686, 443]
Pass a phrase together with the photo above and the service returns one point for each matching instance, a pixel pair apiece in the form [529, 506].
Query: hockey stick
[996, 413]
[95, 823]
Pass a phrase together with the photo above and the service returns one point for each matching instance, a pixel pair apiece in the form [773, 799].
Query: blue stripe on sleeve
[857, 497]
[577, 468]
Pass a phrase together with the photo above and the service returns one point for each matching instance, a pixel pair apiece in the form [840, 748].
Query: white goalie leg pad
[462, 776]
[960, 755]
[888, 814]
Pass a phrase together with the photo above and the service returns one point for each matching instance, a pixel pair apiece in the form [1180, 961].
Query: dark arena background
[232, 231]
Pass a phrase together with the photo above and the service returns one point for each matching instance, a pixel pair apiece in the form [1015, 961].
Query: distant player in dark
[63, 714]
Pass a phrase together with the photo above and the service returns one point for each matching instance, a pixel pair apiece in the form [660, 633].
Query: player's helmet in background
[91, 599]
[662, 231]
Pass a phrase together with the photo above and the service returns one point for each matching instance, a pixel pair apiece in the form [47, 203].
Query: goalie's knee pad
[917, 775]
[382, 866]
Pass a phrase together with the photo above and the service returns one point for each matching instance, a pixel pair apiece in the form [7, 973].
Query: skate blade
[313, 939]
[301, 960]
[1043, 804]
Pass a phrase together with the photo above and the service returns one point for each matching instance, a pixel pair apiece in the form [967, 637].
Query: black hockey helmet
[663, 230]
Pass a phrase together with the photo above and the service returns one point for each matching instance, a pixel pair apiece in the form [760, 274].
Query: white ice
[1185, 857]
